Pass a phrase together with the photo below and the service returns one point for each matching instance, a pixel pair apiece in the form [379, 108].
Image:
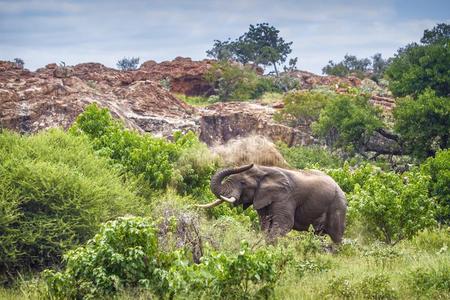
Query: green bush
[126, 254]
[436, 240]
[374, 287]
[438, 168]
[235, 82]
[54, 192]
[394, 207]
[418, 67]
[348, 122]
[303, 107]
[152, 160]
[301, 157]
[423, 123]
[123, 254]
[431, 281]
[348, 178]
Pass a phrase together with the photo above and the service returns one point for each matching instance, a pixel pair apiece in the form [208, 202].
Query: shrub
[394, 207]
[123, 254]
[430, 280]
[303, 107]
[301, 157]
[151, 159]
[126, 254]
[348, 122]
[348, 178]
[235, 82]
[438, 168]
[377, 287]
[423, 123]
[54, 192]
[370, 287]
[128, 64]
[435, 240]
[418, 67]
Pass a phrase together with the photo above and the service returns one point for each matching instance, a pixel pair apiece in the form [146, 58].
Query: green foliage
[437, 240]
[260, 45]
[126, 253]
[351, 65]
[424, 123]
[430, 281]
[348, 178]
[248, 275]
[195, 100]
[234, 82]
[438, 168]
[394, 207]
[152, 160]
[348, 122]
[303, 107]
[54, 192]
[123, 254]
[439, 33]
[128, 64]
[370, 287]
[418, 67]
[304, 157]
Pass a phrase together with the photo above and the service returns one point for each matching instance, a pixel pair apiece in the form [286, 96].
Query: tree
[348, 122]
[19, 62]
[418, 67]
[128, 64]
[261, 45]
[423, 123]
[221, 50]
[350, 64]
[379, 65]
[439, 33]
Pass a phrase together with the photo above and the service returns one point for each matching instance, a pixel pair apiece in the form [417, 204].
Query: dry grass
[252, 149]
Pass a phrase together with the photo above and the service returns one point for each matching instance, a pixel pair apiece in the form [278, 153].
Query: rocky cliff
[54, 95]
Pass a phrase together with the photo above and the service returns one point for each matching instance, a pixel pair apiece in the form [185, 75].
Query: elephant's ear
[272, 187]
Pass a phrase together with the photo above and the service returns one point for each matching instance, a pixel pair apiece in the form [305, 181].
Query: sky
[45, 31]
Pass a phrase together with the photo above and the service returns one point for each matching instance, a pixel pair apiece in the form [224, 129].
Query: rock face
[54, 96]
[182, 74]
[224, 121]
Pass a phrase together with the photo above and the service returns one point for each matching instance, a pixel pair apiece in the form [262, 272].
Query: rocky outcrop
[53, 96]
[182, 75]
[310, 80]
[224, 121]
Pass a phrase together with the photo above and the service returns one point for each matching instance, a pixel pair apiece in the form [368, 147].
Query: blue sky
[45, 31]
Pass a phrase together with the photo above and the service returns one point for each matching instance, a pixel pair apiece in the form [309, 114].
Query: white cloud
[104, 31]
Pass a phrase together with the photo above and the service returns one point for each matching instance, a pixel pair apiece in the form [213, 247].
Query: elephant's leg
[282, 219]
[336, 225]
[265, 218]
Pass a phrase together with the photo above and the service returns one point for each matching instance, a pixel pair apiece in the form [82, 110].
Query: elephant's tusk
[231, 200]
[209, 205]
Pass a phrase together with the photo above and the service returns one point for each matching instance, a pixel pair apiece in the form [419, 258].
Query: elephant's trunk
[216, 181]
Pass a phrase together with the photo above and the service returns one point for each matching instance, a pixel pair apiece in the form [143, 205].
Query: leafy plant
[423, 123]
[348, 122]
[303, 107]
[54, 192]
[303, 157]
[394, 207]
[128, 64]
[235, 82]
[438, 168]
[126, 253]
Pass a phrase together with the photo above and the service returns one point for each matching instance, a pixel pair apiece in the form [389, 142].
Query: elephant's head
[247, 185]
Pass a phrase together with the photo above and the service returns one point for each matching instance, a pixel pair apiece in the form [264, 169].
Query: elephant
[284, 199]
